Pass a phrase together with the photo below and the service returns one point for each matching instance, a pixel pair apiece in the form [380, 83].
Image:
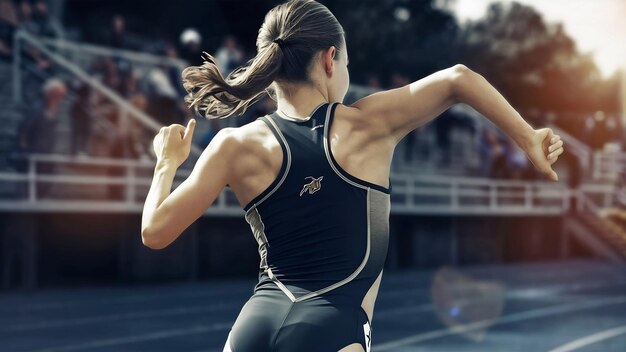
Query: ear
[329, 56]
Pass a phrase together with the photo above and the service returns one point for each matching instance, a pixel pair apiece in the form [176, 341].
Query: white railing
[609, 165]
[595, 196]
[83, 52]
[411, 194]
[585, 204]
[436, 194]
[133, 183]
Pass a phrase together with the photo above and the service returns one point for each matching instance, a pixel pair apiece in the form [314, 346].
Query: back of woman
[312, 177]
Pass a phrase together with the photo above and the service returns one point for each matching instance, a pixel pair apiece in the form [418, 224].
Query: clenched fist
[173, 143]
[543, 149]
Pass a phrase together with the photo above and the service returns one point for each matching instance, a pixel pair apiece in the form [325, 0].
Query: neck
[299, 104]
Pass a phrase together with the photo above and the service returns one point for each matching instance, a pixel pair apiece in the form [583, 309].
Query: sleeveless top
[320, 230]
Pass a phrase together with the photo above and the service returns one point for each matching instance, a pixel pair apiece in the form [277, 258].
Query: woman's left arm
[541, 145]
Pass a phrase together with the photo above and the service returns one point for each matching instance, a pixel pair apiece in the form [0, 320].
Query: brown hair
[305, 27]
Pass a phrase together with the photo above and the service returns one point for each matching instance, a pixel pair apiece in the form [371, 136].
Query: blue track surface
[549, 306]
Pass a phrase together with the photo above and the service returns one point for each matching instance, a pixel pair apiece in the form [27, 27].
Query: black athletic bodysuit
[323, 237]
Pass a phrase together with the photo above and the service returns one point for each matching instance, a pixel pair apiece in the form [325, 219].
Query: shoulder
[223, 145]
[361, 118]
[239, 139]
[217, 157]
[241, 148]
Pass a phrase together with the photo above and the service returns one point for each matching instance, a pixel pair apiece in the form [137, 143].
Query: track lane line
[591, 339]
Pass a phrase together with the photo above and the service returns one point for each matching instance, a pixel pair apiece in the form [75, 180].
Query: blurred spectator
[81, 121]
[130, 143]
[37, 131]
[138, 140]
[443, 125]
[614, 130]
[595, 130]
[229, 56]
[509, 161]
[130, 85]
[8, 25]
[105, 70]
[130, 140]
[111, 76]
[190, 51]
[117, 37]
[33, 26]
[490, 150]
[174, 72]
[41, 121]
[41, 18]
[26, 18]
[588, 123]
[399, 80]
[163, 96]
[517, 163]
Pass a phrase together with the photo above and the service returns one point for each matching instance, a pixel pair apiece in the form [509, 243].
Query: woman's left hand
[543, 148]
[173, 143]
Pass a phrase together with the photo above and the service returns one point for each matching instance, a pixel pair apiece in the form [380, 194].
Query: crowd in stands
[95, 123]
[159, 93]
[32, 17]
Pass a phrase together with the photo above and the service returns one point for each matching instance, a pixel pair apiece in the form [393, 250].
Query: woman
[312, 177]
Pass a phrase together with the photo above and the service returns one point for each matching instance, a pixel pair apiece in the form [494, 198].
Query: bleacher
[422, 187]
[411, 181]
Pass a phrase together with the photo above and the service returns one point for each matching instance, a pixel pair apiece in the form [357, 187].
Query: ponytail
[288, 41]
[213, 96]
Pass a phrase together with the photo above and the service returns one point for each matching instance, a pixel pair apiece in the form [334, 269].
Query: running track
[575, 305]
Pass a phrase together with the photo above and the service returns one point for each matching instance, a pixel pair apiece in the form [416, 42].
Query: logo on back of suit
[313, 186]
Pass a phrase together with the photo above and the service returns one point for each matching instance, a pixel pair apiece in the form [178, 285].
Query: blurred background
[484, 253]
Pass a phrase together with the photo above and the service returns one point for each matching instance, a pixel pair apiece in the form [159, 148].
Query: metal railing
[594, 196]
[82, 53]
[585, 204]
[436, 194]
[411, 194]
[609, 165]
[131, 181]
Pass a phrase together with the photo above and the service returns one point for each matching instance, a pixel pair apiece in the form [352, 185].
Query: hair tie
[280, 42]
